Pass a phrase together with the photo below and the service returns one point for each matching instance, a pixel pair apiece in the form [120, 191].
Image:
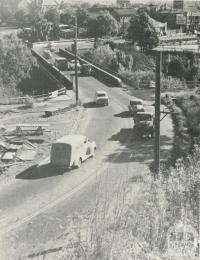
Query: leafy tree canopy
[82, 17]
[101, 25]
[142, 31]
[184, 68]
[52, 15]
[8, 8]
[35, 11]
[16, 63]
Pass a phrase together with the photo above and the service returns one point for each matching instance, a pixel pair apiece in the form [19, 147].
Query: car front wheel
[79, 162]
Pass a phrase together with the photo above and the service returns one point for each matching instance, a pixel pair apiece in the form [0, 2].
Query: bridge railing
[99, 72]
[55, 72]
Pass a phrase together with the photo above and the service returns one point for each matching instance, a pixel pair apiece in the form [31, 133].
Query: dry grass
[134, 224]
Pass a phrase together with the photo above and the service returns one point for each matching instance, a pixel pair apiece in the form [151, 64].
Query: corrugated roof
[125, 11]
[182, 48]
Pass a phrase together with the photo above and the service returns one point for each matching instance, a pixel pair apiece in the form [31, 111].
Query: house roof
[155, 23]
[125, 11]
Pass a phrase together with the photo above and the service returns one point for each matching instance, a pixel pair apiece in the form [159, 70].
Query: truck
[135, 105]
[144, 124]
[61, 63]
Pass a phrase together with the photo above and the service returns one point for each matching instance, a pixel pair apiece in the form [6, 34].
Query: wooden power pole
[157, 114]
[76, 68]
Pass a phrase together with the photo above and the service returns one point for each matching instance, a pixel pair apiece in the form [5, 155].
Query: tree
[82, 17]
[101, 25]
[52, 15]
[8, 8]
[35, 11]
[16, 63]
[142, 31]
[176, 68]
[183, 67]
[67, 17]
[21, 17]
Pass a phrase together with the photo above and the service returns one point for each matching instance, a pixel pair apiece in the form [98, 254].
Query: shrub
[137, 79]
[172, 84]
[134, 224]
[190, 106]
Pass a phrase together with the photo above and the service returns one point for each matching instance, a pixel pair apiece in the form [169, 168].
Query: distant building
[178, 4]
[123, 15]
[123, 3]
[48, 4]
[182, 20]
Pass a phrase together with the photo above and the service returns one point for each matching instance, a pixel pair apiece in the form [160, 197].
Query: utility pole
[157, 114]
[76, 68]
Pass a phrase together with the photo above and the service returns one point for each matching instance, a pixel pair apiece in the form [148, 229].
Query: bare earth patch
[59, 125]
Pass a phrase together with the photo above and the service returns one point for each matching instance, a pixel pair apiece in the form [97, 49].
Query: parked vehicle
[52, 46]
[47, 54]
[86, 69]
[71, 150]
[136, 105]
[144, 124]
[152, 84]
[71, 65]
[61, 63]
[102, 98]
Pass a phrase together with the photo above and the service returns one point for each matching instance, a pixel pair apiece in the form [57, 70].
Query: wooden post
[157, 114]
[76, 68]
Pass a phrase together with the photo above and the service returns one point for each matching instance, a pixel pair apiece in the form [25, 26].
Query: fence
[99, 73]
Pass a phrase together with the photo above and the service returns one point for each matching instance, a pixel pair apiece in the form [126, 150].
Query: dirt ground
[58, 125]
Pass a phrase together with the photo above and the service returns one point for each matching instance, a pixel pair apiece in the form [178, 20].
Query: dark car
[86, 69]
[144, 124]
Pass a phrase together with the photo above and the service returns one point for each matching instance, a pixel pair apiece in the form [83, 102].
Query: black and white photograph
[99, 130]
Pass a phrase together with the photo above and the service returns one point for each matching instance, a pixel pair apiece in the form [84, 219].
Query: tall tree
[16, 63]
[21, 17]
[142, 31]
[8, 8]
[67, 16]
[52, 15]
[35, 11]
[82, 17]
[101, 25]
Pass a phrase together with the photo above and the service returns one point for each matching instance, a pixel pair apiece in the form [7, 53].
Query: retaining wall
[66, 81]
[99, 73]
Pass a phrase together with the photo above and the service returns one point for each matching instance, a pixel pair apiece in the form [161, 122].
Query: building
[178, 4]
[123, 15]
[48, 4]
[123, 3]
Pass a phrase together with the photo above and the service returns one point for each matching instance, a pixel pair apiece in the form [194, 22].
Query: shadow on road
[135, 149]
[39, 172]
[90, 105]
[44, 253]
[124, 114]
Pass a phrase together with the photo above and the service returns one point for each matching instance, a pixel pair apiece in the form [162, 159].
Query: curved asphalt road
[34, 208]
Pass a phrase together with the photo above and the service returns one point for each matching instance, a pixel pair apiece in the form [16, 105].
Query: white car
[71, 150]
[102, 98]
[135, 105]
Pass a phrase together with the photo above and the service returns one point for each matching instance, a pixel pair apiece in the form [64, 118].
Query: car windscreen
[133, 103]
[101, 95]
[144, 117]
